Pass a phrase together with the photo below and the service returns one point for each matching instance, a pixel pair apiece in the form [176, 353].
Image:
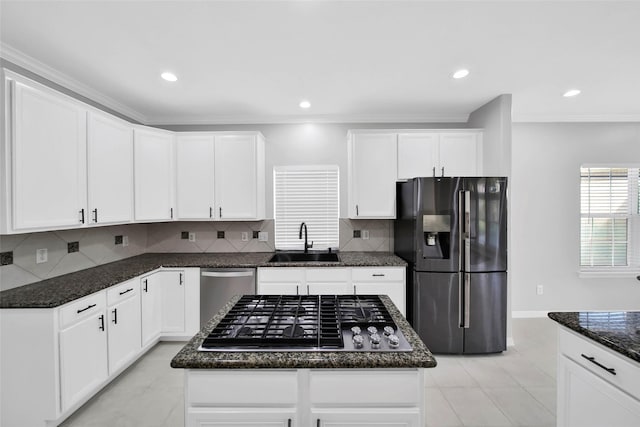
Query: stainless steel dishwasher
[218, 285]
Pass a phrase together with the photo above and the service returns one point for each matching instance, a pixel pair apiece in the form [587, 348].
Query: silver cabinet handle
[467, 300]
[227, 273]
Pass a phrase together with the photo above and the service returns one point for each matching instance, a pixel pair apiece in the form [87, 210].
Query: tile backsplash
[102, 245]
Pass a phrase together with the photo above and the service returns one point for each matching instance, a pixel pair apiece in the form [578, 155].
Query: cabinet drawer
[281, 275]
[82, 308]
[236, 387]
[378, 274]
[328, 275]
[122, 291]
[627, 375]
[377, 387]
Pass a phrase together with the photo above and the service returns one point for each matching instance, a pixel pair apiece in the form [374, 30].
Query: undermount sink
[305, 257]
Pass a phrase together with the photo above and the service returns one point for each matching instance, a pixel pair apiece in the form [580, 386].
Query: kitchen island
[598, 368]
[305, 388]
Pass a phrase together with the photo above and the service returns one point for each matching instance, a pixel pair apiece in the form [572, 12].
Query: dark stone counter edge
[559, 317]
[190, 358]
[76, 285]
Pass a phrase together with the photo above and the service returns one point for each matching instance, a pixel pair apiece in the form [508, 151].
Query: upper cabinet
[45, 160]
[220, 176]
[372, 174]
[239, 176]
[439, 153]
[110, 169]
[153, 174]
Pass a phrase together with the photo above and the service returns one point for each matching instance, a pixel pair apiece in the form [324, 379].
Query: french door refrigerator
[452, 231]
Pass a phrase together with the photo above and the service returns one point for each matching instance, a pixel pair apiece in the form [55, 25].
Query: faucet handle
[310, 245]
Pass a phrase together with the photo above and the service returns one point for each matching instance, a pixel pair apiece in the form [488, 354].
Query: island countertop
[60, 290]
[618, 330]
[190, 358]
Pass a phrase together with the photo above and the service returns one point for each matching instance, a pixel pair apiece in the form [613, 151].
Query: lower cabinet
[151, 308]
[305, 397]
[590, 394]
[83, 348]
[124, 324]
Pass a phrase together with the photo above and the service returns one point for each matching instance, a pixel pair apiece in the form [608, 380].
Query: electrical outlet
[192, 236]
[365, 234]
[42, 255]
[539, 289]
[263, 236]
[245, 236]
[125, 240]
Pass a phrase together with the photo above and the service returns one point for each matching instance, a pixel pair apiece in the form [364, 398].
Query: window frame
[633, 227]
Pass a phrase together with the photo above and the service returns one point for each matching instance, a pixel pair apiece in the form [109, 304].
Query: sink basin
[302, 257]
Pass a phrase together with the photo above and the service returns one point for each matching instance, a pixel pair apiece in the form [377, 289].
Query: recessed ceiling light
[461, 74]
[170, 77]
[305, 104]
[570, 93]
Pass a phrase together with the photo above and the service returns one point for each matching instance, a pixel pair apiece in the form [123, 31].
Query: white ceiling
[355, 61]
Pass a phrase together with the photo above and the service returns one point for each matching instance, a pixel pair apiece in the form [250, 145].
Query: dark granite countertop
[63, 289]
[618, 330]
[190, 358]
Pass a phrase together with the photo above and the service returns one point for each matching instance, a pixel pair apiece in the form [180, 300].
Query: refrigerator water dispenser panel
[436, 231]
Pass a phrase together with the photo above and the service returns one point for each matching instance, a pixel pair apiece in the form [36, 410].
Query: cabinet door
[365, 417]
[586, 400]
[49, 160]
[172, 296]
[459, 154]
[418, 155]
[83, 358]
[279, 288]
[317, 288]
[153, 174]
[151, 309]
[394, 290]
[236, 177]
[194, 176]
[241, 417]
[109, 170]
[372, 176]
[124, 332]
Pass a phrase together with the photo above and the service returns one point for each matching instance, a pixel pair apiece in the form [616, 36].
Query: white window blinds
[609, 208]
[308, 194]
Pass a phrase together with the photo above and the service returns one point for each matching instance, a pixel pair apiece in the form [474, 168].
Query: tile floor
[516, 388]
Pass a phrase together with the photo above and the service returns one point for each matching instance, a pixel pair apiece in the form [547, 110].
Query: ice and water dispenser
[436, 236]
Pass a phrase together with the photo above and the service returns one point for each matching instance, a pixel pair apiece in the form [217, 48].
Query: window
[610, 218]
[308, 194]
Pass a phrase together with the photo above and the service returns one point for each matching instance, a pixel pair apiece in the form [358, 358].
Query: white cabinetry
[173, 295]
[331, 281]
[83, 348]
[151, 308]
[372, 174]
[281, 281]
[220, 175]
[124, 324]
[439, 153]
[589, 393]
[305, 397]
[46, 162]
[153, 174]
[239, 176]
[109, 169]
[388, 281]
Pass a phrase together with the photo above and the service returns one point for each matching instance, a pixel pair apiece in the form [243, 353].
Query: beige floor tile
[438, 411]
[520, 406]
[474, 407]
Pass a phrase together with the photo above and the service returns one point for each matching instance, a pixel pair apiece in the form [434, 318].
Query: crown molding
[43, 70]
[574, 118]
[330, 118]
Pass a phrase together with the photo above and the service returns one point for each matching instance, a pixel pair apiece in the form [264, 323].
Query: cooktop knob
[372, 330]
[358, 340]
[388, 330]
[375, 340]
[394, 341]
[356, 330]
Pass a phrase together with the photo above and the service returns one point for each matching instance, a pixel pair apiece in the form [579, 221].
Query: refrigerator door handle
[467, 231]
[467, 301]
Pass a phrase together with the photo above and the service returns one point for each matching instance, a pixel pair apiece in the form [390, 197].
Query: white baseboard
[528, 314]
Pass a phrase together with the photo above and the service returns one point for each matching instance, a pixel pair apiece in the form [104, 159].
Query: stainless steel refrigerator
[453, 234]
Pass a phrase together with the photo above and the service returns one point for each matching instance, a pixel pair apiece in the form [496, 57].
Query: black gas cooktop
[307, 323]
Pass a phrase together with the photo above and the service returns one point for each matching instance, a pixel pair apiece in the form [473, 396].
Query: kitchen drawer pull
[181, 281]
[318, 423]
[221, 212]
[101, 322]
[289, 422]
[210, 212]
[115, 316]
[146, 289]
[82, 216]
[86, 308]
[95, 215]
[378, 275]
[124, 292]
[592, 359]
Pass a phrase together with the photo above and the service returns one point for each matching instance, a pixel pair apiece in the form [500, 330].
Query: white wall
[545, 197]
[494, 118]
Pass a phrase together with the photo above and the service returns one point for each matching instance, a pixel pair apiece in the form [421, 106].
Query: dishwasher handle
[227, 273]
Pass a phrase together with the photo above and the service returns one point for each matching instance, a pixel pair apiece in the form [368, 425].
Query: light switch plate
[245, 236]
[42, 255]
[125, 240]
[365, 234]
[192, 236]
[263, 236]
